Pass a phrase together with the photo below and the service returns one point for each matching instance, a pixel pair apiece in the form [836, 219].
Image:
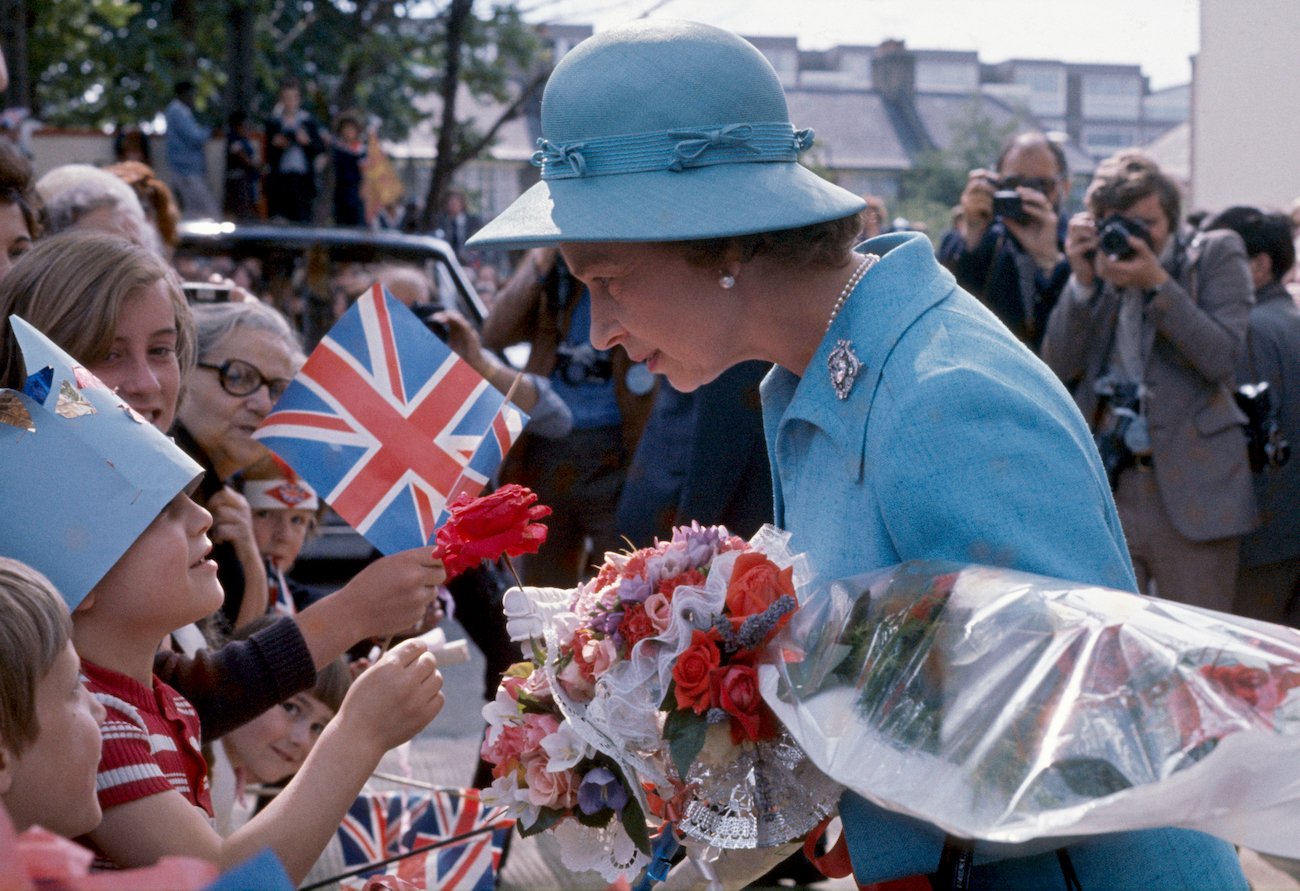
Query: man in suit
[1147, 334]
[1268, 583]
[293, 141]
[456, 224]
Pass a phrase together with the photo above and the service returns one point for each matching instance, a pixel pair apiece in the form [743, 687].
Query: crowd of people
[1120, 336]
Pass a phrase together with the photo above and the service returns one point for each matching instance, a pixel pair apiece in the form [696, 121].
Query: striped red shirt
[151, 741]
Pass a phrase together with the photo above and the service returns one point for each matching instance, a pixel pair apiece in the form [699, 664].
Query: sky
[1159, 35]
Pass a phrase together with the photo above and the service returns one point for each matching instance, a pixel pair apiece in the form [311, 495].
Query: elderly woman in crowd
[86, 197]
[117, 308]
[19, 207]
[247, 355]
[903, 420]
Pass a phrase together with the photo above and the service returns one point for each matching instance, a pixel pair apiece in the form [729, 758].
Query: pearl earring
[727, 282]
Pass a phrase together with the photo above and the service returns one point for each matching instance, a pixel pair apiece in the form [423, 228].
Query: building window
[1103, 141]
[1112, 96]
[947, 77]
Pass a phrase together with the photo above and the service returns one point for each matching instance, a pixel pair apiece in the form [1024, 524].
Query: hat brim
[705, 202]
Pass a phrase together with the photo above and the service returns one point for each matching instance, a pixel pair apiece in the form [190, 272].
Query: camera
[583, 363]
[1113, 234]
[207, 292]
[1122, 404]
[1264, 441]
[425, 312]
[1008, 205]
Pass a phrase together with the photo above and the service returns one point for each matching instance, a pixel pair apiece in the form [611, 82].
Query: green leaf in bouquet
[670, 698]
[539, 652]
[547, 818]
[685, 732]
[530, 704]
[634, 820]
[598, 820]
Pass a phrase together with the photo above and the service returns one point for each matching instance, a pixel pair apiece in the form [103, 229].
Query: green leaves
[685, 732]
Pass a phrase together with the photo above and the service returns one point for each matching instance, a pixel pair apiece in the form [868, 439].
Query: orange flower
[756, 583]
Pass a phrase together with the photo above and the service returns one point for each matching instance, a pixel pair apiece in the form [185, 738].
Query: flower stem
[511, 567]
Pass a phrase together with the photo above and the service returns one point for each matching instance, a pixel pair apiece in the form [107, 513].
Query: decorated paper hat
[666, 131]
[284, 490]
[83, 474]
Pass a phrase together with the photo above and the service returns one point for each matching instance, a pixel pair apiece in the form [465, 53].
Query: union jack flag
[389, 425]
[380, 825]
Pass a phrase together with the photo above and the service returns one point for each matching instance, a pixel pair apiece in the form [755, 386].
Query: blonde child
[49, 724]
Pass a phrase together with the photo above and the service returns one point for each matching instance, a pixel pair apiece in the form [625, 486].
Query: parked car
[312, 274]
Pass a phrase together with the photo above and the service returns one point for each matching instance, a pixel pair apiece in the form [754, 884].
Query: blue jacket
[955, 443]
[185, 140]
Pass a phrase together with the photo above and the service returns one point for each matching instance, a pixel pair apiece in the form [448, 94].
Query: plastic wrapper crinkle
[1011, 708]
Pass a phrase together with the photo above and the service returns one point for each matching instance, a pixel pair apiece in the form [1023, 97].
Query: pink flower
[537, 728]
[601, 654]
[547, 789]
[659, 610]
[575, 683]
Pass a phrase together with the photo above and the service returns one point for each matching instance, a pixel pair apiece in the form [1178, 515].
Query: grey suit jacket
[1194, 330]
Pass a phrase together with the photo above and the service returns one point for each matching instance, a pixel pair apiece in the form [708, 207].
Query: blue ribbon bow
[550, 153]
[696, 142]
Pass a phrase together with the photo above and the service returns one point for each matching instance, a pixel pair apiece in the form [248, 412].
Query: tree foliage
[98, 63]
[937, 177]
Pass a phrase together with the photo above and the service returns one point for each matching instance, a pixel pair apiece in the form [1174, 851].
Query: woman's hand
[394, 699]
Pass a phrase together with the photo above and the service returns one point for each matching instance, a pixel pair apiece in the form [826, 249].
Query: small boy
[132, 581]
[49, 724]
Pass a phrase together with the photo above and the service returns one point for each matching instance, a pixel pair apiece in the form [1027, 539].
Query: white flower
[500, 711]
[564, 749]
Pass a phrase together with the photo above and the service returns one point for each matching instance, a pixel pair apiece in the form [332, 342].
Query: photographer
[1007, 250]
[1268, 583]
[1154, 314]
[580, 476]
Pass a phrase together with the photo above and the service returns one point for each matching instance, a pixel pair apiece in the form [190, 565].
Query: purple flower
[606, 623]
[634, 590]
[700, 542]
[599, 790]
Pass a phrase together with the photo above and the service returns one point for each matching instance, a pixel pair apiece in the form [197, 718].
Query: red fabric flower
[636, 625]
[736, 687]
[689, 577]
[756, 583]
[693, 672]
[484, 528]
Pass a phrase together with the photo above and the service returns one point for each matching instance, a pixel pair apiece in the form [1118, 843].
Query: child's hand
[232, 520]
[395, 698]
[391, 595]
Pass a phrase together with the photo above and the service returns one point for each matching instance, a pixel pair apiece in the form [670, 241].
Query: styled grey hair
[215, 321]
[74, 191]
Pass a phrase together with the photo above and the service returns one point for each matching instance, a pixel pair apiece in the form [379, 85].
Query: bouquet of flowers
[1012, 708]
[641, 702]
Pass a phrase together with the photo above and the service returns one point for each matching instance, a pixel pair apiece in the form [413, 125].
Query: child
[132, 582]
[285, 510]
[49, 724]
[273, 746]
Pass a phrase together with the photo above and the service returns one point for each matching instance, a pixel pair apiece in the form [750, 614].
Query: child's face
[276, 743]
[349, 132]
[141, 364]
[52, 783]
[281, 533]
[165, 580]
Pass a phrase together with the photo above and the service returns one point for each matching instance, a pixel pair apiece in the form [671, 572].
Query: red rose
[756, 583]
[636, 625]
[737, 695]
[504, 522]
[692, 672]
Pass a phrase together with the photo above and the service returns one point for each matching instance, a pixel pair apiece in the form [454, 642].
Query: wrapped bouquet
[1012, 708]
[640, 705]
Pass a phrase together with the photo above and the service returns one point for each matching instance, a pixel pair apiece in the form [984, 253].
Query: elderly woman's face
[663, 310]
[223, 423]
[141, 364]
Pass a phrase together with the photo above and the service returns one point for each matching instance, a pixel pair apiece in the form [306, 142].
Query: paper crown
[83, 473]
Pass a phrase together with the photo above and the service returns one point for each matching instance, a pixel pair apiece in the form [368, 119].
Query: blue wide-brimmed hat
[666, 131]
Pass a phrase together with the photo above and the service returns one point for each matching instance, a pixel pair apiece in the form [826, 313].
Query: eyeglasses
[239, 378]
[1042, 184]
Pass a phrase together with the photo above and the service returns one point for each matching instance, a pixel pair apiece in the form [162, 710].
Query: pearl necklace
[867, 262]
